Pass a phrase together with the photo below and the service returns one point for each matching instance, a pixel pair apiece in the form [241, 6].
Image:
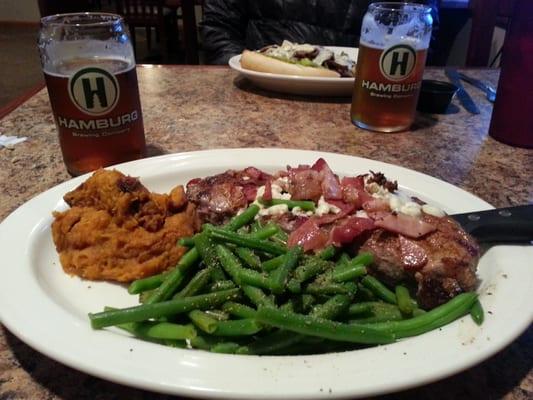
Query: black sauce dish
[435, 96]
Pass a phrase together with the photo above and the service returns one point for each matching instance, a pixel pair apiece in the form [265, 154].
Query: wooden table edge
[13, 104]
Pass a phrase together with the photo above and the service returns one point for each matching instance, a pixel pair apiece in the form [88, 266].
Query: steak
[441, 264]
[220, 197]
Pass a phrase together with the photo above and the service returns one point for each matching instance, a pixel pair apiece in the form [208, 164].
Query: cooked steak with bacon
[442, 262]
[410, 241]
[221, 196]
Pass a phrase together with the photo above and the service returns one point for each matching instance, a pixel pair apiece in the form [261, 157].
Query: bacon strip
[405, 225]
[309, 236]
[349, 229]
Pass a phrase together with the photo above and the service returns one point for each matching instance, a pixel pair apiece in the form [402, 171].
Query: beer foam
[63, 58]
[414, 31]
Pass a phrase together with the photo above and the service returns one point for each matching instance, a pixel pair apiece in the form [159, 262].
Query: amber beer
[387, 87]
[390, 65]
[89, 69]
[97, 113]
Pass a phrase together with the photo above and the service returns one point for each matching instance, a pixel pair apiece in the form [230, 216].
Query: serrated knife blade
[462, 94]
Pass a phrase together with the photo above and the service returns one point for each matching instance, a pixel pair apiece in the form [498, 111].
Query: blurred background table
[200, 107]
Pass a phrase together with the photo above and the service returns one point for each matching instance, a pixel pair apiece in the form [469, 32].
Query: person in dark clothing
[230, 26]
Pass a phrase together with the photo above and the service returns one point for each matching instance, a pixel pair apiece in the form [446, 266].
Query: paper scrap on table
[10, 141]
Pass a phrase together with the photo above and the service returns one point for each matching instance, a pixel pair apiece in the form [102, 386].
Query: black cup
[435, 96]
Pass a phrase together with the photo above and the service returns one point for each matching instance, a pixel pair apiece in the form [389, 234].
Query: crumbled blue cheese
[411, 208]
[432, 210]
[361, 214]
[399, 203]
[278, 209]
[323, 207]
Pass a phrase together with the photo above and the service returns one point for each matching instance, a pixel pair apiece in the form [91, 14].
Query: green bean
[331, 288]
[219, 315]
[196, 284]
[379, 289]
[381, 314]
[132, 329]
[477, 313]
[324, 328]
[165, 330]
[218, 274]
[289, 305]
[348, 272]
[294, 286]
[243, 218]
[174, 278]
[221, 285]
[273, 263]
[246, 241]
[344, 259]
[249, 257]
[143, 296]
[155, 310]
[305, 205]
[279, 276]
[328, 253]
[307, 301]
[405, 303]
[239, 327]
[203, 321]
[186, 241]
[146, 284]
[363, 294]
[229, 348]
[239, 310]
[257, 296]
[241, 276]
[265, 232]
[274, 342]
[333, 307]
[255, 225]
[280, 237]
[310, 268]
[156, 331]
[202, 343]
[369, 307]
[433, 319]
[363, 259]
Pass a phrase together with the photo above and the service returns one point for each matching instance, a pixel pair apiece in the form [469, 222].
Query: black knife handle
[510, 224]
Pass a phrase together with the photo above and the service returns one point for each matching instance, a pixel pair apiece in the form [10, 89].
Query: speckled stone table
[193, 108]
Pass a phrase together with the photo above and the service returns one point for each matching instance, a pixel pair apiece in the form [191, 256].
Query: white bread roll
[258, 62]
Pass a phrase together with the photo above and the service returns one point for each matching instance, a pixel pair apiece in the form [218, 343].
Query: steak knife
[510, 224]
[462, 94]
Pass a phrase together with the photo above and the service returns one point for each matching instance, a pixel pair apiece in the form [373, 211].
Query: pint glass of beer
[392, 54]
[89, 69]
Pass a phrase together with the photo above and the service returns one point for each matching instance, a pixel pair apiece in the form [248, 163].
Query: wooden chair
[185, 9]
[150, 14]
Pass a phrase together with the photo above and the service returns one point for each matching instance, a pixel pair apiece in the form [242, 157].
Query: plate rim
[196, 391]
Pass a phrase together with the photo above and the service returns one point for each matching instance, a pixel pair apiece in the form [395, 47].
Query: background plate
[302, 85]
[48, 309]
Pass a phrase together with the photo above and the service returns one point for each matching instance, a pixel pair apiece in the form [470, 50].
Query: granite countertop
[193, 108]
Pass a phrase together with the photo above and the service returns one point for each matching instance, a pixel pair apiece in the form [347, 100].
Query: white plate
[48, 309]
[302, 85]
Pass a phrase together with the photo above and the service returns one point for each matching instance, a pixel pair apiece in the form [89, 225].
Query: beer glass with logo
[89, 69]
[392, 54]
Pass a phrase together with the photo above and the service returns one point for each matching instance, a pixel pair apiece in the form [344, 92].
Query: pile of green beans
[239, 289]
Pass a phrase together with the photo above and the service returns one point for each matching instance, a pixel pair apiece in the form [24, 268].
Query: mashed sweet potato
[116, 229]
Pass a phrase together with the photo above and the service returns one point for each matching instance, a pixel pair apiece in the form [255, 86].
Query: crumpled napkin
[10, 141]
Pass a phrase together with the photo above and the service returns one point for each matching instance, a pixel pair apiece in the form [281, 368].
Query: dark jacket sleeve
[223, 29]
